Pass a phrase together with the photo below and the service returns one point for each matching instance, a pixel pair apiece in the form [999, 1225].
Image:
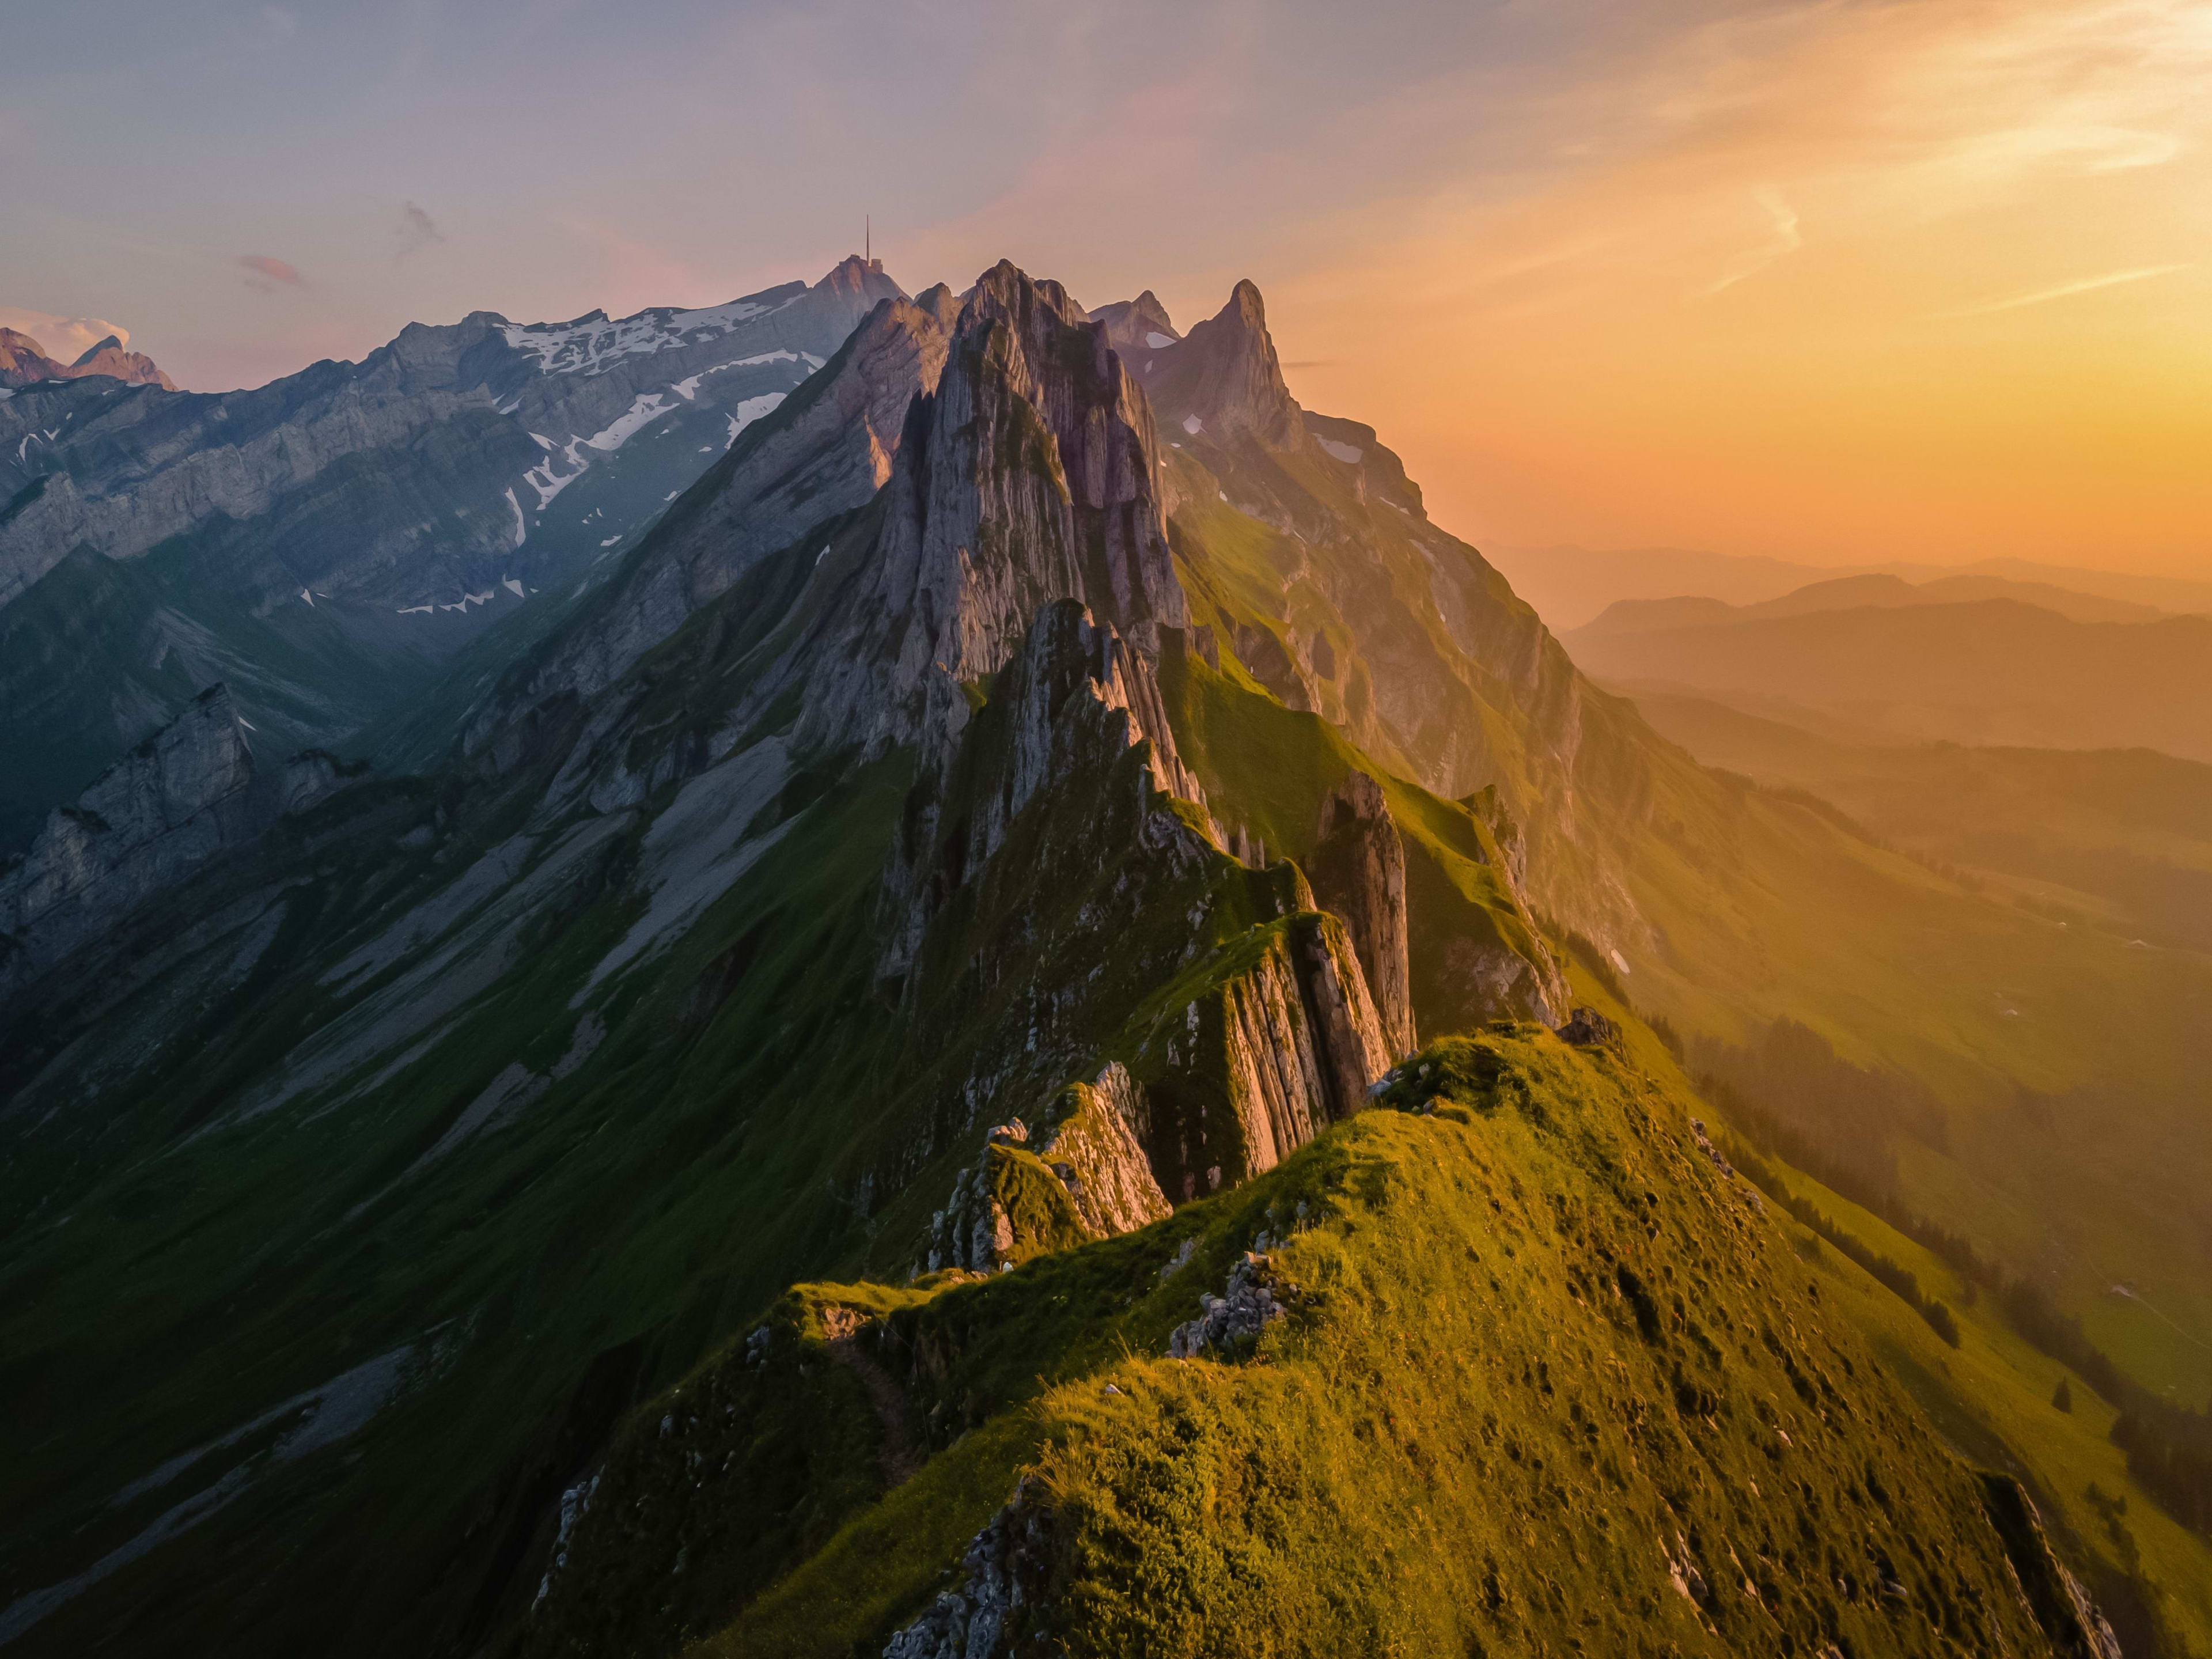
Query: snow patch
[648, 406]
[750, 411]
[686, 388]
[1348, 454]
[308, 596]
[417, 609]
[592, 345]
[511, 586]
[1192, 425]
[1160, 342]
[521, 526]
[548, 483]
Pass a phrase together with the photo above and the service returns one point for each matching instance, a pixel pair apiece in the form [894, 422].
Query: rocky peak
[23, 362]
[1137, 325]
[942, 304]
[1226, 375]
[132, 367]
[1031, 476]
[853, 276]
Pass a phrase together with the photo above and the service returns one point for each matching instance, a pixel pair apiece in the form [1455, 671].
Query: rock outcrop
[1358, 868]
[187, 794]
[1091, 1144]
[1283, 1042]
[1002, 1569]
[1586, 1027]
[1005, 1207]
[1247, 1306]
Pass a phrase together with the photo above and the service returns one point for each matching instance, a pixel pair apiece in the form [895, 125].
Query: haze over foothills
[1774, 279]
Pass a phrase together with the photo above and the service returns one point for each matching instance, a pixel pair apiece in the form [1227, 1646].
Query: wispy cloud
[1784, 239]
[2063, 290]
[416, 230]
[268, 274]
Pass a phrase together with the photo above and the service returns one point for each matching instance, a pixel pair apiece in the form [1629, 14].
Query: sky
[1839, 281]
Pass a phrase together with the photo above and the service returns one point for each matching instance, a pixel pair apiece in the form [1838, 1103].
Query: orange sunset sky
[1831, 281]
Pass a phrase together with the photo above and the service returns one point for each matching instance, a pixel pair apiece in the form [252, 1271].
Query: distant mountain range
[23, 362]
[1570, 586]
[327, 544]
[2121, 837]
[2064, 671]
[1627, 616]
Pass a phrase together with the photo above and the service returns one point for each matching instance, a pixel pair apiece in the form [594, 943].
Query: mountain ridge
[930, 878]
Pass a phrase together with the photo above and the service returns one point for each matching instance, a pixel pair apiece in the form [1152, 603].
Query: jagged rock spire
[1226, 373]
[1029, 476]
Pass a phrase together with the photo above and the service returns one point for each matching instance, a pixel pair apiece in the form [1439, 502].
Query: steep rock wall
[1359, 873]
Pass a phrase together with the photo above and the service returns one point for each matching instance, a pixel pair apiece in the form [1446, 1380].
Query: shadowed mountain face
[994, 839]
[326, 544]
[1990, 671]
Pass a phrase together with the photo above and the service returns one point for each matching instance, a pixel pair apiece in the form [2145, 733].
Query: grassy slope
[1271, 768]
[1990, 1400]
[196, 1285]
[1541, 1346]
[2068, 1064]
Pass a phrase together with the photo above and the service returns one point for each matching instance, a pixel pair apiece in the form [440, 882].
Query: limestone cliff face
[1282, 1044]
[188, 793]
[1030, 477]
[1358, 873]
[1026, 476]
